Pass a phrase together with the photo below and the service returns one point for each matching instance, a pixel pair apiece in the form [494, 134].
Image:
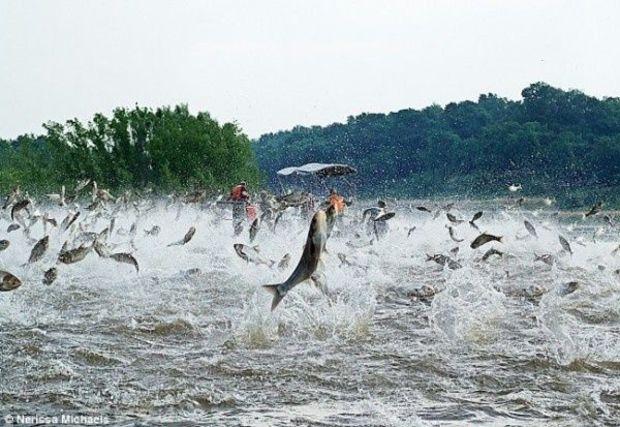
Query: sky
[272, 65]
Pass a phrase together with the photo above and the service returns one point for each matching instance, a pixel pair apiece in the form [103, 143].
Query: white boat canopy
[319, 169]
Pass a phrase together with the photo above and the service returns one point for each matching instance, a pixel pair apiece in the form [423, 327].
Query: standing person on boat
[240, 197]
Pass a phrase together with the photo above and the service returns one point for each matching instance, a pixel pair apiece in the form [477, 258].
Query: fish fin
[319, 282]
[277, 297]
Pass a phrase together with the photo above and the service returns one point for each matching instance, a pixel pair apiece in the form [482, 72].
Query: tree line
[557, 143]
[166, 149]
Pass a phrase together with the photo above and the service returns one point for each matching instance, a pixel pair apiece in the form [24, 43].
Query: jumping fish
[313, 249]
[188, 236]
[484, 238]
[8, 282]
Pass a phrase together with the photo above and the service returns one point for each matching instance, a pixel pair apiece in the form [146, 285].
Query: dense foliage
[167, 148]
[557, 143]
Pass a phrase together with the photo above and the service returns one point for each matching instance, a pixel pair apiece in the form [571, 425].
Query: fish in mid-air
[452, 235]
[309, 261]
[12, 227]
[530, 228]
[568, 288]
[546, 258]
[475, 218]
[125, 258]
[74, 255]
[484, 238]
[11, 197]
[594, 210]
[69, 220]
[252, 254]
[444, 260]
[19, 206]
[39, 250]
[8, 282]
[50, 276]
[453, 219]
[188, 236]
[565, 245]
[154, 231]
[492, 252]
[254, 229]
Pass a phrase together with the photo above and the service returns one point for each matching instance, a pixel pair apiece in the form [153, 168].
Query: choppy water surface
[503, 342]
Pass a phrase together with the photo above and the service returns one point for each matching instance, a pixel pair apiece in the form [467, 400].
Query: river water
[191, 339]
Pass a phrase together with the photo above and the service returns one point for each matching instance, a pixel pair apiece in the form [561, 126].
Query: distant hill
[559, 143]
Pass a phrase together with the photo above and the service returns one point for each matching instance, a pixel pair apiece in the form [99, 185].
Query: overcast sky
[271, 65]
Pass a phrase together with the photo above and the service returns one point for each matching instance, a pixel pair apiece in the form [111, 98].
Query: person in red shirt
[239, 193]
[240, 197]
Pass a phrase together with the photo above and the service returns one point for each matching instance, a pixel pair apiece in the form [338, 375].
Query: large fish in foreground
[315, 245]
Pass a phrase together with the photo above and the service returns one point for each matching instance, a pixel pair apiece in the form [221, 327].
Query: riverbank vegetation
[557, 143]
[165, 149]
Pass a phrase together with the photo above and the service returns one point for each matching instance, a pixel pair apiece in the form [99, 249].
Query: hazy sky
[271, 65]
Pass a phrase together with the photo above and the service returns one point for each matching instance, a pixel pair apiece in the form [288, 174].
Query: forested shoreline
[166, 149]
[556, 143]
[562, 144]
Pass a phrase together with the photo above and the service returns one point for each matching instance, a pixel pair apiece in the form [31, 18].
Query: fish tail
[277, 296]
